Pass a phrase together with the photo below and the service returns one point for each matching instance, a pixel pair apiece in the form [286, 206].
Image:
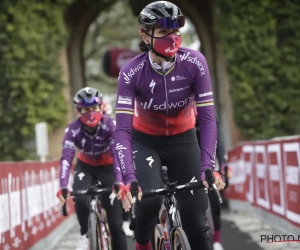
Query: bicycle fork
[169, 219]
[163, 221]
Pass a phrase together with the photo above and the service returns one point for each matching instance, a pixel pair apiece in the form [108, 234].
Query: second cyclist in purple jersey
[155, 123]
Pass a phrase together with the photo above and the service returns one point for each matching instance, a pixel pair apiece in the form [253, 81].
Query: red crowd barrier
[266, 174]
[29, 208]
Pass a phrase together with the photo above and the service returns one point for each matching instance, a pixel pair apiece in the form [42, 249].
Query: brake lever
[211, 183]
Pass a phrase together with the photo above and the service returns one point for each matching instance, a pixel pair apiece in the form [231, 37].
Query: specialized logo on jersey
[164, 106]
[83, 142]
[193, 60]
[152, 85]
[81, 175]
[150, 159]
[132, 72]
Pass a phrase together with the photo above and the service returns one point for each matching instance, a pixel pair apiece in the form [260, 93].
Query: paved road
[232, 236]
[243, 229]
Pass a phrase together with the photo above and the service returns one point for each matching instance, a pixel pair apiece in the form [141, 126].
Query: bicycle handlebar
[171, 188]
[211, 183]
[91, 192]
[94, 190]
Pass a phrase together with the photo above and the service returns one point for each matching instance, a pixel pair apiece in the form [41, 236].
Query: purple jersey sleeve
[68, 152]
[112, 126]
[206, 115]
[124, 118]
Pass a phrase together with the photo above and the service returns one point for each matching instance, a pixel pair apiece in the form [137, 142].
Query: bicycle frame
[96, 208]
[169, 218]
[170, 221]
[95, 205]
[169, 210]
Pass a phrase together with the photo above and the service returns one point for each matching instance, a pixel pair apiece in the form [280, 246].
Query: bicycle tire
[180, 240]
[106, 236]
[94, 232]
[158, 235]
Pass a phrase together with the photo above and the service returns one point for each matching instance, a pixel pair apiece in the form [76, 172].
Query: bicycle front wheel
[180, 240]
[94, 232]
[105, 232]
[158, 241]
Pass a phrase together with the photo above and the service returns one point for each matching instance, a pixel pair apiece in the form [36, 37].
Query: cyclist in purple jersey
[92, 133]
[155, 123]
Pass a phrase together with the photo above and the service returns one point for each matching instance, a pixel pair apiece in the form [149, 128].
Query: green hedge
[261, 41]
[31, 34]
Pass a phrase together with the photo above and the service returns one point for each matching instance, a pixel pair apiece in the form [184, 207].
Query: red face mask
[167, 45]
[91, 118]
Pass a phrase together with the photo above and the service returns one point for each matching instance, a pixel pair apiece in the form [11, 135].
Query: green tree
[31, 34]
[261, 41]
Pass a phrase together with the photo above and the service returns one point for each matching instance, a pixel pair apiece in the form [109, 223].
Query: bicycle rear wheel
[158, 238]
[94, 232]
[180, 240]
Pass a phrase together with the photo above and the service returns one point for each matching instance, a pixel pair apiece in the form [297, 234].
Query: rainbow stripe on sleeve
[124, 111]
[209, 102]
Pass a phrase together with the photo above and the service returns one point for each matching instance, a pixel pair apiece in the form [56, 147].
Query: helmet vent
[170, 11]
[157, 12]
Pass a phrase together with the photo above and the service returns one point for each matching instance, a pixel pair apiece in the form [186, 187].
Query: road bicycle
[98, 229]
[168, 233]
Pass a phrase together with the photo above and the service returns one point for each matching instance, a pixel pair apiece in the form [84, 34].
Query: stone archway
[79, 15]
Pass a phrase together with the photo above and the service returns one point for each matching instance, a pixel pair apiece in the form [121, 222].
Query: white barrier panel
[28, 205]
[265, 174]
